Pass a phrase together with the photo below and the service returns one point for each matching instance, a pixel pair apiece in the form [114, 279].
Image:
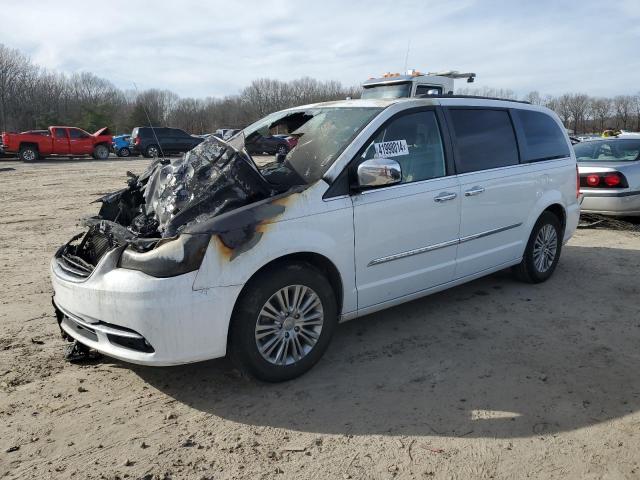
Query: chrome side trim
[410, 253]
[430, 248]
[488, 232]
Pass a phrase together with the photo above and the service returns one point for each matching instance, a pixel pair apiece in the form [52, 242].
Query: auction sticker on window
[391, 149]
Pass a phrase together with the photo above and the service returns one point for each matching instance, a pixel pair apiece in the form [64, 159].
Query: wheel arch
[317, 260]
[29, 144]
[559, 211]
[551, 202]
[324, 264]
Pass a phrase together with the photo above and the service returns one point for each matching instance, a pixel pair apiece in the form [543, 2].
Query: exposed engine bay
[176, 196]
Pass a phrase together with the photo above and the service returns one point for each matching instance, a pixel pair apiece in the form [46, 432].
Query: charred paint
[240, 230]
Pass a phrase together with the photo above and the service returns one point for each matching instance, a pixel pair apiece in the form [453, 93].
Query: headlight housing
[170, 258]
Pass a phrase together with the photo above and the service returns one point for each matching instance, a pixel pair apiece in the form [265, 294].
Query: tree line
[32, 97]
[579, 112]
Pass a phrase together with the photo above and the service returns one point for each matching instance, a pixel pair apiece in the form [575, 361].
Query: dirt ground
[493, 379]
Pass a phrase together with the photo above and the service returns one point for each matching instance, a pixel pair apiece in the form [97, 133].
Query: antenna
[149, 120]
[406, 57]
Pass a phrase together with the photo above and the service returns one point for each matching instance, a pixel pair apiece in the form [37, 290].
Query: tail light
[612, 180]
[604, 180]
[137, 141]
[593, 180]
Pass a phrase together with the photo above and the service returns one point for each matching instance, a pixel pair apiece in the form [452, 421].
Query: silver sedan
[610, 176]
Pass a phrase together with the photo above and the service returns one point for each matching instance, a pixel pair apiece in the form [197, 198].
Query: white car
[380, 202]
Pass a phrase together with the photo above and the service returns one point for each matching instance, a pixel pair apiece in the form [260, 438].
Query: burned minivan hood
[213, 178]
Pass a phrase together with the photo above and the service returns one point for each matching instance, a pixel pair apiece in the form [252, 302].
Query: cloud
[216, 48]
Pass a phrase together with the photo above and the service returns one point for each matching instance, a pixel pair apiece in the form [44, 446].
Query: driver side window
[75, 133]
[414, 141]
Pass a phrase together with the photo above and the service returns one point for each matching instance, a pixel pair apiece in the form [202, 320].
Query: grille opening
[80, 256]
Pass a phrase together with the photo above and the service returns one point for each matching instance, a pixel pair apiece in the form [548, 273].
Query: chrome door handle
[474, 191]
[444, 196]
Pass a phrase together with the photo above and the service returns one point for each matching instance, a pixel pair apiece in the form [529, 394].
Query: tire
[536, 265]
[101, 152]
[282, 150]
[302, 341]
[152, 151]
[124, 152]
[28, 154]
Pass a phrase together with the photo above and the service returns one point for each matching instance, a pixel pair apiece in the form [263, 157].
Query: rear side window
[60, 133]
[484, 138]
[543, 139]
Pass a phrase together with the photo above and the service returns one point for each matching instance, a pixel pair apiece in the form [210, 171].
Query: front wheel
[283, 322]
[124, 152]
[543, 250]
[101, 152]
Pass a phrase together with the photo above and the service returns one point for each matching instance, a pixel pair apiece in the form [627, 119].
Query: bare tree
[577, 106]
[14, 67]
[600, 111]
[623, 107]
[533, 98]
[563, 109]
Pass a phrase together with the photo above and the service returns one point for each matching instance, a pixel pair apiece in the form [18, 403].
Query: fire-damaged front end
[133, 269]
[155, 276]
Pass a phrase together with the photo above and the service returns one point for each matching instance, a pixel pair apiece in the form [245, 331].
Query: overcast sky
[210, 48]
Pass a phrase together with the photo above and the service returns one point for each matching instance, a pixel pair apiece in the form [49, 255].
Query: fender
[328, 233]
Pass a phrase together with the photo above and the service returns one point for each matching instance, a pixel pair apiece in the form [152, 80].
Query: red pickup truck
[67, 141]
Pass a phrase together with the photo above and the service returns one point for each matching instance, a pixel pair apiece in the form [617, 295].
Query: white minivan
[380, 202]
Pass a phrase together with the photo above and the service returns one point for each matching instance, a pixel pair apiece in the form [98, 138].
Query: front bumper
[611, 203]
[137, 318]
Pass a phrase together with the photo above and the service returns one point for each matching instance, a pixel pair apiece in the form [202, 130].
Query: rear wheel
[152, 151]
[100, 152]
[28, 154]
[283, 322]
[124, 152]
[543, 250]
[282, 150]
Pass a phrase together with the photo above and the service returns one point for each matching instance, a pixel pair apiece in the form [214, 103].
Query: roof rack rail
[444, 95]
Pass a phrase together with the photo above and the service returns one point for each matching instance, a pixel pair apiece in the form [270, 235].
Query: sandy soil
[493, 379]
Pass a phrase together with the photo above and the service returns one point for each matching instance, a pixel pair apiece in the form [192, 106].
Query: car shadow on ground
[492, 358]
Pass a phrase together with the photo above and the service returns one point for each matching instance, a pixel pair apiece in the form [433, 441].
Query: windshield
[616, 150]
[396, 90]
[310, 139]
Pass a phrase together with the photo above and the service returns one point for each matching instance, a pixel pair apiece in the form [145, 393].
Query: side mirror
[379, 171]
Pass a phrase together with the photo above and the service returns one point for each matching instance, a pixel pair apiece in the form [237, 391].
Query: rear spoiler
[102, 131]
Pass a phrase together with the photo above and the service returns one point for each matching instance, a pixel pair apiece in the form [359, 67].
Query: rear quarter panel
[555, 184]
[16, 140]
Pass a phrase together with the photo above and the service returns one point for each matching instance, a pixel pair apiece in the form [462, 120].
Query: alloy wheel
[545, 248]
[289, 325]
